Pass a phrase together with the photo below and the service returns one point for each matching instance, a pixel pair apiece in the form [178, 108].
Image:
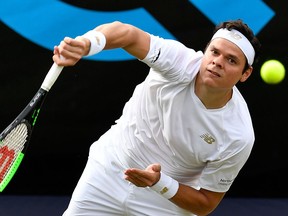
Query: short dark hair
[242, 27]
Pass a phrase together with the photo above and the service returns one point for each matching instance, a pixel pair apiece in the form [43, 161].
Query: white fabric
[166, 186]
[165, 122]
[97, 41]
[239, 40]
[103, 191]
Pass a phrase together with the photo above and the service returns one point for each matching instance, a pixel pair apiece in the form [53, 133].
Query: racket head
[15, 139]
[13, 145]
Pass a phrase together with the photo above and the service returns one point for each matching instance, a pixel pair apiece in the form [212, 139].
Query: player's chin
[211, 80]
[212, 77]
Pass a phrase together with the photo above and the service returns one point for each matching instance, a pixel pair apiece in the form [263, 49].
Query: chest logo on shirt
[208, 138]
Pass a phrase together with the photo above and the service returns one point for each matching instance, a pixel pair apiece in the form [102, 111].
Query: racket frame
[28, 116]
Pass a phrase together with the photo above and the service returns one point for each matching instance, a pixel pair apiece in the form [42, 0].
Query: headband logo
[235, 35]
[239, 39]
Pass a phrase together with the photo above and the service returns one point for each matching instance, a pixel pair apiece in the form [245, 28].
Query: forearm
[107, 36]
[130, 38]
[118, 35]
[200, 202]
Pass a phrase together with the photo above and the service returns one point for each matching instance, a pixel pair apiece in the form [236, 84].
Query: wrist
[97, 41]
[166, 186]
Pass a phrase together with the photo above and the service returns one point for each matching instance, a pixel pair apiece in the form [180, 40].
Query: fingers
[138, 177]
[71, 50]
[155, 167]
[143, 178]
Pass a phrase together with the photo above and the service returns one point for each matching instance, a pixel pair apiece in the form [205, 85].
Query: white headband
[238, 39]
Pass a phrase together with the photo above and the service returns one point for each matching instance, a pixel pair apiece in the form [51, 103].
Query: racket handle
[51, 77]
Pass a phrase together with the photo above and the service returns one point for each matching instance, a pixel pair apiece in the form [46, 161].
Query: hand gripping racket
[15, 138]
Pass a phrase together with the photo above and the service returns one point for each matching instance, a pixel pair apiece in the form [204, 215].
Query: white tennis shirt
[165, 122]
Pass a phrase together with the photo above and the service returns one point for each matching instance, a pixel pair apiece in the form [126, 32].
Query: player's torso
[166, 128]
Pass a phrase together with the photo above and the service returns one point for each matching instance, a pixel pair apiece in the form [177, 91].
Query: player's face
[223, 64]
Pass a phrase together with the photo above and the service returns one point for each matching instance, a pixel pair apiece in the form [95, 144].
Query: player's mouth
[213, 73]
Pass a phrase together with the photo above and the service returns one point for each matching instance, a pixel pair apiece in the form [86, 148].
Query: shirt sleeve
[220, 174]
[172, 59]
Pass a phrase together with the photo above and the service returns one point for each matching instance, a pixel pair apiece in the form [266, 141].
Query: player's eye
[214, 52]
[232, 61]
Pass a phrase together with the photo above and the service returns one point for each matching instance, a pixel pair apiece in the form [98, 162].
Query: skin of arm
[137, 43]
[200, 202]
[118, 35]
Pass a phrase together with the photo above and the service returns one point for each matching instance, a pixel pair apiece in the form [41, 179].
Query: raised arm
[117, 35]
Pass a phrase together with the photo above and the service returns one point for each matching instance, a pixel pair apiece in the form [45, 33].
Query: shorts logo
[208, 138]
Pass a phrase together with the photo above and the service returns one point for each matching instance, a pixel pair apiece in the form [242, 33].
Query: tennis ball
[272, 71]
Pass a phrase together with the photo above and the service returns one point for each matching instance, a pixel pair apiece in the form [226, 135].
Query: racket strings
[11, 146]
[16, 138]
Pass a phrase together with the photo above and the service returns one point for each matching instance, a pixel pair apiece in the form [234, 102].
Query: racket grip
[51, 77]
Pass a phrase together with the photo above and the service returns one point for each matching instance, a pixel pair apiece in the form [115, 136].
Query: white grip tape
[51, 76]
[97, 41]
[166, 186]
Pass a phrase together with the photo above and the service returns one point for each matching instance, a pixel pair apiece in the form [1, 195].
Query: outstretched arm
[200, 202]
[117, 34]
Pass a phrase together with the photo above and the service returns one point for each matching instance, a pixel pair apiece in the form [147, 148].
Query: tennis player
[185, 133]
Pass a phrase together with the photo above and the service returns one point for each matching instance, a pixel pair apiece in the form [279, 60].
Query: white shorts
[102, 190]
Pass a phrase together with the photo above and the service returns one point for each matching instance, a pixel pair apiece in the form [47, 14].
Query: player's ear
[246, 74]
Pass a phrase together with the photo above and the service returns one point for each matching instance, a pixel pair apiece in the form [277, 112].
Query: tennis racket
[15, 138]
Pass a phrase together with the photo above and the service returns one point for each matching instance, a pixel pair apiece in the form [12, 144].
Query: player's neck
[212, 99]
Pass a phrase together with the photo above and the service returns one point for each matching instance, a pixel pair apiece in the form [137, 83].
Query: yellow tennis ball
[272, 71]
